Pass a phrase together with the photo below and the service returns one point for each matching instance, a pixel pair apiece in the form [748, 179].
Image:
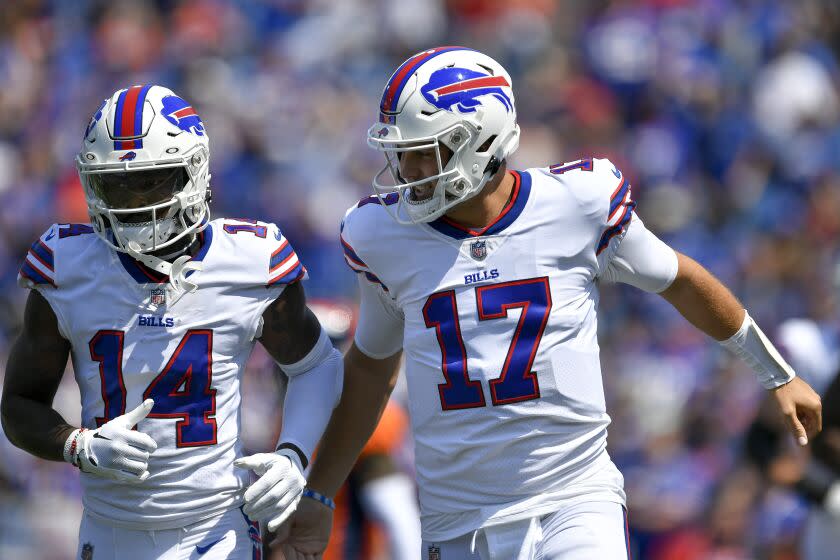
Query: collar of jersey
[145, 275]
[508, 215]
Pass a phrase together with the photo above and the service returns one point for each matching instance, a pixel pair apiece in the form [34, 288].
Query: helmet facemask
[450, 185]
[144, 208]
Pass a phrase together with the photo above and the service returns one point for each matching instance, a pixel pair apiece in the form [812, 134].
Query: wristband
[70, 453]
[318, 497]
[752, 346]
[302, 460]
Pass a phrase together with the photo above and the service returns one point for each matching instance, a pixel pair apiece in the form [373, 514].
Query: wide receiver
[487, 279]
[159, 308]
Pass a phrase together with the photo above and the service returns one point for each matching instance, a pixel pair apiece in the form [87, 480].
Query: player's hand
[306, 535]
[275, 495]
[801, 407]
[115, 451]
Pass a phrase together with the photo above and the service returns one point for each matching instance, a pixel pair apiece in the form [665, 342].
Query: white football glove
[275, 495]
[114, 451]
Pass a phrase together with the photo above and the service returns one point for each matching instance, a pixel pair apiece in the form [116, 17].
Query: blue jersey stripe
[616, 229]
[351, 254]
[44, 254]
[618, 197]
[280, 255]
[29, 271]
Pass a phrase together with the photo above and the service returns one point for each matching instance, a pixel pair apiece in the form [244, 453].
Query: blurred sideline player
[376, 513]
[159, 308]
[487, 280]
[812, 348]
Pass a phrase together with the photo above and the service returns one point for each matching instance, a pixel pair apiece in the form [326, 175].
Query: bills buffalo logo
[94, 119]
[181, 114]
[128, 156]
[462, 89]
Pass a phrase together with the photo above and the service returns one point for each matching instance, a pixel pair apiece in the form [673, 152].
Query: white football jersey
[500, 342]
[132, 339]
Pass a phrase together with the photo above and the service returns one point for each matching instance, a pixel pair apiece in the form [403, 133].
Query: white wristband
[752, 346]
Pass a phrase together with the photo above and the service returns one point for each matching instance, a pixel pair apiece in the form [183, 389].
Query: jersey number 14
[516, 382]
[182, 390]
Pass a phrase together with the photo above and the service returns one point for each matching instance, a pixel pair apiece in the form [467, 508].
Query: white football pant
[582, 531]
[228, 536]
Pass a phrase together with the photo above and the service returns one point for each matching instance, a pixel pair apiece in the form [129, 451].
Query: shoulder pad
[268, 252]
[38, 266]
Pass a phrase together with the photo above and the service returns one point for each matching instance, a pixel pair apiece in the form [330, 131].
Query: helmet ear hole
[487, 143]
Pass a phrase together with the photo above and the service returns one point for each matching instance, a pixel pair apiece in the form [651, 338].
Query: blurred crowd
[725, 114]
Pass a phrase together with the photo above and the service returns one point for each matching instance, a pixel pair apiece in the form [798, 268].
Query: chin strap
[177, 270]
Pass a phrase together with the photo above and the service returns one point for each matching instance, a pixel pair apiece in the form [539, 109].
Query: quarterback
[158, 307]
[487, 280]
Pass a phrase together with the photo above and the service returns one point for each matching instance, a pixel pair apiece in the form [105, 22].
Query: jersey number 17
[516, 382]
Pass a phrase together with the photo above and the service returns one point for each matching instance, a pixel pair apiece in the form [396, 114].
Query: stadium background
[724, 114]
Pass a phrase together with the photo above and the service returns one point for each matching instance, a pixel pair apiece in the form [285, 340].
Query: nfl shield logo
[478, 250]
[87, 551]
[158, 296]
[434, 552]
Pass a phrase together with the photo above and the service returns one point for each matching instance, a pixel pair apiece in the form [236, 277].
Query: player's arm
[370, 372]
[292, 335]
[367, 386]
[641, 259]
[33, 372]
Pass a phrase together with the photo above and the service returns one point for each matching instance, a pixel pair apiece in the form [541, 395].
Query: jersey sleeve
[284, 266]
[603, 204]
[260, 262]
[379, 333]
[38, 268]
[642, 260]
[616, 194]
[39, 271]
[352, 257]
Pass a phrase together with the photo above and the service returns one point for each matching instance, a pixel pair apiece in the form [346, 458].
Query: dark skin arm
[290, 329]
[34, 370]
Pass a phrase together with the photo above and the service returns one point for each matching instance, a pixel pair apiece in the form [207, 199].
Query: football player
[159, 308]
[487, 279]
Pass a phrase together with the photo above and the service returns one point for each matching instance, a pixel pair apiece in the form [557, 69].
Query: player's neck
[169, 254]
[483, 208]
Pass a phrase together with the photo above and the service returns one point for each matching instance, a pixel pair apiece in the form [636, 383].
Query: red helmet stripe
[392, 92]
[474, 83]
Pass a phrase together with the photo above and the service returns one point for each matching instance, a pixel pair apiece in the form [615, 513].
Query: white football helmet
[145, 169]
[456, 97]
